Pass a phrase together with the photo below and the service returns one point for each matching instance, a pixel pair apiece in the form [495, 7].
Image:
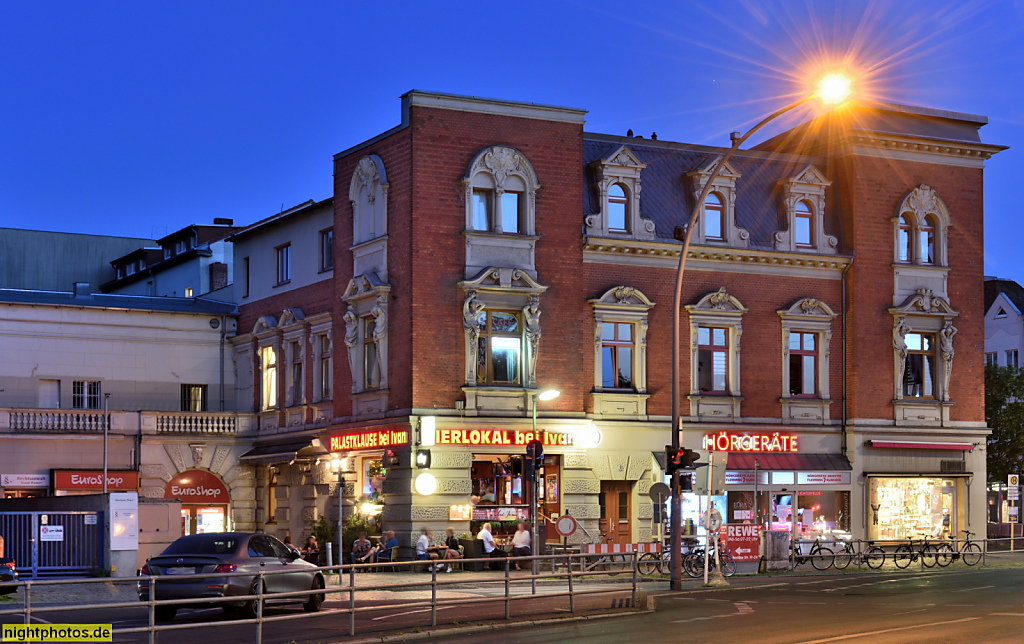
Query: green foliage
[355, 524]
[1004, 414]
[322, 531]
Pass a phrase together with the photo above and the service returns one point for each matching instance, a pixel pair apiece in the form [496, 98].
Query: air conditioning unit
[952, 467]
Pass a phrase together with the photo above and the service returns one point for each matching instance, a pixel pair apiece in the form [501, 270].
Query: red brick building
[487, 250]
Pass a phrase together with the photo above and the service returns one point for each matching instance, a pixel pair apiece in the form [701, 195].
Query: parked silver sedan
[230, 552]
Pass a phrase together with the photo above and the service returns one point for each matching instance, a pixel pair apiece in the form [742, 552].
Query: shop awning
[948, 445]
[282, 453]
[804, 462]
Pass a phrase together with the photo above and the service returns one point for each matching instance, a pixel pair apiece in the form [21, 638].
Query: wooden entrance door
[615, 522]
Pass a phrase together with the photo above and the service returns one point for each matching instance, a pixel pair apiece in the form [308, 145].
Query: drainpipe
[843, 280]
[223, 334]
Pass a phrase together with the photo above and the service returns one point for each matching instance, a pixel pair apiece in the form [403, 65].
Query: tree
[1004, 414]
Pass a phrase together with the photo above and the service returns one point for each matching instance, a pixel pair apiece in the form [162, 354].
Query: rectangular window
[926, 235]
[284, 263]
[120, 272]
[167, 252]
[129, 269]
[510, 204]
[188, 291]
[919, 367]
[297, 382]
[371, 370]
[325, 367]
[481, 210]
[85, 394]
[193, 398]
[616, 355]
[991, 359]
[803, 365]
[326, 249]
[1011, 358]
[803, 229]
[245, 277]
[268, 378]
[713, 360]
[180, 247]
[500, 348]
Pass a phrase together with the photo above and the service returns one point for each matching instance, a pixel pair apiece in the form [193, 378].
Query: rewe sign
[740, 540]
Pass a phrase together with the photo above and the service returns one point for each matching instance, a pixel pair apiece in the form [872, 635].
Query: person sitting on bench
[521, 543]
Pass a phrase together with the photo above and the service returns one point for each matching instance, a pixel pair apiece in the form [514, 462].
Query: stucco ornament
[922, 200]
[719, 299]
[380, 332]
[899, 343]
[531, 317]
[502, 162]
[351, 339]
[947, 353]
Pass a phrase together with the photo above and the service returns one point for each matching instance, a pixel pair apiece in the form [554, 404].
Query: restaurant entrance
[615, 522]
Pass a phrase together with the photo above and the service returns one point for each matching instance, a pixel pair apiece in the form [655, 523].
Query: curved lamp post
[535, 545]
[833, 89]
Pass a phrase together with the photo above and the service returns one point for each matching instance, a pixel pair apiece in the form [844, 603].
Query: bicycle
[970, 552]
[650, 562]
[821, 557]
[928, 552]
[693, 563]
[873, 557]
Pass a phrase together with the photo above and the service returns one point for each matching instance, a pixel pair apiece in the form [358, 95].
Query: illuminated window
[919, 366]
[193, 398]
[271, 495]
[803, 368]
[500, 348]
[803, 233]
[617, 209]
[268, 378]
[714, 226]
[713, 360]
[617, 355]
[188, 291]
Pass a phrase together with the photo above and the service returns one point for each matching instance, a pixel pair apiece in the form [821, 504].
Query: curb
[440, 633]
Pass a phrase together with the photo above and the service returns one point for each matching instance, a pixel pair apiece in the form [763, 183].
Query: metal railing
[565, 569]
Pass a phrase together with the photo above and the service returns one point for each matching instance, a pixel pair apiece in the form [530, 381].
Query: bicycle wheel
[693, 564]
[874, 557]
[821, 558]
[903, 556]
[648, 564]
[665, 562]
[943, 555]
[971, 554]
[928, 555]
[843, 557]
[728, 565]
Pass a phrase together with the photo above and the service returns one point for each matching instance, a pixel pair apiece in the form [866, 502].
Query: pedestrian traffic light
[680, 459]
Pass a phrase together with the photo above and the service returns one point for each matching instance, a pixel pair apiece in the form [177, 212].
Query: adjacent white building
[1004, 322]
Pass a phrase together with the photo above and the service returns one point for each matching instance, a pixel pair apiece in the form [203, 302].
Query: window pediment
[290, 317]
[623, 297]
[922, 201]
[925, 302]
[503, 279]
[724, 188]
[264, 324]
[718, 302]
[808, 307]
[364, 286]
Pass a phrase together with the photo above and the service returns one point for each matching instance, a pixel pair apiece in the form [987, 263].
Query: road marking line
[964, 590]
[811, 603]
[907, 612]
[1008, 614]
[839, 638]
[411, 612]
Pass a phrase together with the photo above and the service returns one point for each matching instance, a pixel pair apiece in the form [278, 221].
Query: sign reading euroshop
[92, 480]
[196, 486]
[774, 442]
[370, 439]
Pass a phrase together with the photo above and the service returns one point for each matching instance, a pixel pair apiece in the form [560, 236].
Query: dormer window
[130, 268]
[803, 206]
[803, 231]
[618, 206]
[120, 272]
[180, 247]
[713, 218]
[167, 252]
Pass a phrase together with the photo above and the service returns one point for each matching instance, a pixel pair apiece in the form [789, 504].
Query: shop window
[501, 492]
[268, 378]
[85, 394]
[902, 508]
[919, 369]
[803, 370]
[373, 478]
[193, 397]
[499, 348]
[713, 360]
[1011, 358]
[617, 209]
[371, 371]
[617, 355]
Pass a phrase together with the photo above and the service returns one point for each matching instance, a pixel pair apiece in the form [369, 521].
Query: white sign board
[24, 480]
[1012, 493]
[124, 521]
[823, 478]
[90, 519]
[1013, 479]
[51, 533]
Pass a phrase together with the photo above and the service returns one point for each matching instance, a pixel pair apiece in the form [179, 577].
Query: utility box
[776, 549]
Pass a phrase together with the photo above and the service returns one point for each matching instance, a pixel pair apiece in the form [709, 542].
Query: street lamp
[336, 466]
[545, 395]
[833, 89]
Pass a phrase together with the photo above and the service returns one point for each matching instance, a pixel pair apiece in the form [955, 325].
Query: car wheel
[166, 613]
[316, 599]
[249, 609]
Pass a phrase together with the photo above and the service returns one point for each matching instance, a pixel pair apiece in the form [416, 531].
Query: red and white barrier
[621, 548]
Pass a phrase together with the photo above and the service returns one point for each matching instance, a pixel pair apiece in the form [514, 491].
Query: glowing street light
[833, 88]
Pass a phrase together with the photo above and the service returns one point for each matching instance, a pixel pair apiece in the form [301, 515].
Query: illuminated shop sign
[499, 437]
[117, 480]
[370, 439]
[774, 442]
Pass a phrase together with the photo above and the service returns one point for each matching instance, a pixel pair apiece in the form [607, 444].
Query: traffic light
[681, 459]
[534, 456]
[689, 459]
[390, 459]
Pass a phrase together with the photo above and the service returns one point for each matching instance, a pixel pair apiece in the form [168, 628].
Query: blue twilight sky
[137, 118]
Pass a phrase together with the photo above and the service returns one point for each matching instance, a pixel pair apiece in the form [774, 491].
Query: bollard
[506, 588]
[351, 600]
[330, 560]
[568, 566]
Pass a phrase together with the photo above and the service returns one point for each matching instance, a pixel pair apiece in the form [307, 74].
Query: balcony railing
[85, 421]
[196, 423]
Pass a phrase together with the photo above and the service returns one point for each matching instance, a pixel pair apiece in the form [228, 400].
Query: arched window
[617, 205]
[500, 189]
[714, 225]
[904, 240]
[803, 233]
[926, 241]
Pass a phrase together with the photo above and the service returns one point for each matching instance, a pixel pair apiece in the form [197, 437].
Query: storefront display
[911, 507]
[204, 501]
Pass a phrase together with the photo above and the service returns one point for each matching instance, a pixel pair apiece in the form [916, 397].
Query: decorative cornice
[955, 153]
[666, 255]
